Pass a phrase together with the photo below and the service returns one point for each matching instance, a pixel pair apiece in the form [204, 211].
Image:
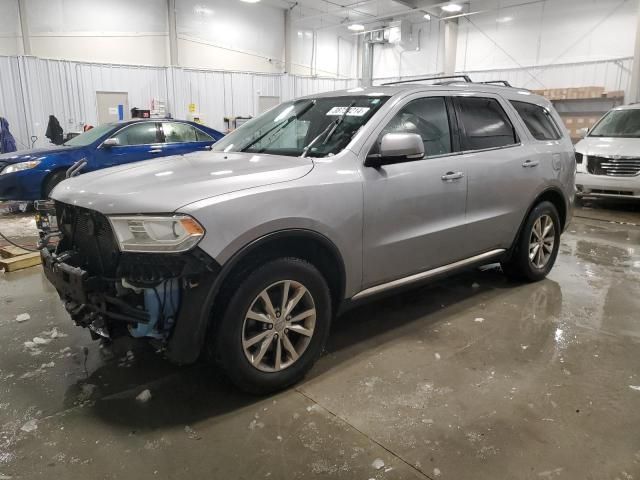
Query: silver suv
[246, 253]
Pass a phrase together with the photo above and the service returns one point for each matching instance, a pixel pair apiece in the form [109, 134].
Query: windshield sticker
[353, 111]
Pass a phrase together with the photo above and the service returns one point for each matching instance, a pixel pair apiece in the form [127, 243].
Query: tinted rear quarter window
[484, 124]
[538, 120]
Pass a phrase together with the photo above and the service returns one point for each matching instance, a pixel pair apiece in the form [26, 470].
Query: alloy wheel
[278, 326]
[542, 241]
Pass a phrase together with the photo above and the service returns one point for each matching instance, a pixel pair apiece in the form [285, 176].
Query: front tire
[51, 182]
[536, 248]
[274, 327]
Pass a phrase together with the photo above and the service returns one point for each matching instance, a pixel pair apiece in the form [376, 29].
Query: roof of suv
[510, 93]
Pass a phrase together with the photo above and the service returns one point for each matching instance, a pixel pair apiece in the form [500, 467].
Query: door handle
[451, 176]
[531, 163]
[155, 151]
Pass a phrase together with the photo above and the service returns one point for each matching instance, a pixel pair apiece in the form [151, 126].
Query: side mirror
[397, 148]
[111, 142]
[583, 132]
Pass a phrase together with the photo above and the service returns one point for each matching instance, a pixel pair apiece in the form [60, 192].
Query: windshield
[90, 136]
[618, 123]
[290, 127]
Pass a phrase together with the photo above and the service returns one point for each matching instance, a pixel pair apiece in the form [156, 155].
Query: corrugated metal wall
[31, 89]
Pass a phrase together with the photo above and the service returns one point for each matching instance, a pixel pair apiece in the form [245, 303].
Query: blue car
[32, 174]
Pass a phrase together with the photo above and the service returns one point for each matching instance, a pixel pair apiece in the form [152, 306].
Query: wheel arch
[553, 195]
[306, 244]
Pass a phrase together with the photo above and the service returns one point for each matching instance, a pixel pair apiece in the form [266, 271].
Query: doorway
[112, 106]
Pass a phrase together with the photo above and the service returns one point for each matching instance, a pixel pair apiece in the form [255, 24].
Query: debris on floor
[144, 396]
[635, 387]
[22, 317]
[30, 426]
[378, 463]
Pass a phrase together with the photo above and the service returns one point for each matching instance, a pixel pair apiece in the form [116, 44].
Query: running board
[428, 274]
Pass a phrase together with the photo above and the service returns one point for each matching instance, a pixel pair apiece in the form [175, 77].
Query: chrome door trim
[427, 274]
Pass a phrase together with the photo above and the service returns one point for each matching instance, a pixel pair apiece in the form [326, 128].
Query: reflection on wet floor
[472, 374]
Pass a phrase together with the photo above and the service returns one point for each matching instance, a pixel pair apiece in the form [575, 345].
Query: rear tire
[51, 182]
[536, 248]
[274, 326]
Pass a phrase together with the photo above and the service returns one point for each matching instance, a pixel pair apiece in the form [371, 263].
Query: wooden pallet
[15, 258]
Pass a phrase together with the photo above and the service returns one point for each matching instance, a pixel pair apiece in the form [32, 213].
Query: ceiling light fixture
[356, 27]
[504, 19]
[452, 8]
[427, 16]
[250, 1]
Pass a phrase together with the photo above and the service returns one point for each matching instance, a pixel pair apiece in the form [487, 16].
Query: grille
[613, 167]
[89, 234]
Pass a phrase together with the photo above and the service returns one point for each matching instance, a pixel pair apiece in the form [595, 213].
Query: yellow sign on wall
[192, 108]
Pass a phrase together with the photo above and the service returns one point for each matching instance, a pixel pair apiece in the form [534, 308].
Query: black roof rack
[504, 83]
[466, 78]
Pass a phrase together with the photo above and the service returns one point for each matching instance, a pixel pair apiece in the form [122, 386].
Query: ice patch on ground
[378, 463]
[23, 317]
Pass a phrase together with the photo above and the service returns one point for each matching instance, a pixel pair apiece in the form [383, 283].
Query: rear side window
[484, 124]
[203, 137]
[538, 120]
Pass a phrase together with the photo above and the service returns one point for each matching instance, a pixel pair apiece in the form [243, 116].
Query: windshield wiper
[331, 128]
[280, 126]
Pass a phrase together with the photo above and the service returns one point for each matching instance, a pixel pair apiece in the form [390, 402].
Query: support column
[450, 46]
[367, 60]
[634, 91]
[173, 35]
[287, 41]
[24, 27]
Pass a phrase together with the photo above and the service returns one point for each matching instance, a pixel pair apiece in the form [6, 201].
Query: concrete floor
[472, 377]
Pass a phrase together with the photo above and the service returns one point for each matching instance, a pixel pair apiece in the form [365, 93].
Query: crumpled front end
[157, 296]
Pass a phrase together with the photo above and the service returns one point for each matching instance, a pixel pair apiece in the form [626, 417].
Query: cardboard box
[615, 94]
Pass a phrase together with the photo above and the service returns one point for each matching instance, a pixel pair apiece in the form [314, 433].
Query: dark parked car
[32, 174]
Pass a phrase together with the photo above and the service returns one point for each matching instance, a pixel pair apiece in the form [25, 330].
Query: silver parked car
[609, 156]
[246, 253]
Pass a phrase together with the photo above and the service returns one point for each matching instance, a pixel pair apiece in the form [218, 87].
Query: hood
[609, 147]
[164, 185]
[33, 154]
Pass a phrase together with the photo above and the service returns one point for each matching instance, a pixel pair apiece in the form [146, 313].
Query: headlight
[175, 233]
[18, 167]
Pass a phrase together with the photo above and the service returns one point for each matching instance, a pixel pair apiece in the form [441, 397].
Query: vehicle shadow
[183, 395]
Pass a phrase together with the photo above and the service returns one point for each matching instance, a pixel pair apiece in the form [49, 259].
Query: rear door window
[538, 120]
[484, 124]
[428, 118]
[175, 132]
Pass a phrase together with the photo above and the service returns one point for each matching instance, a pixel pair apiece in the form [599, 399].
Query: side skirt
[401, 282]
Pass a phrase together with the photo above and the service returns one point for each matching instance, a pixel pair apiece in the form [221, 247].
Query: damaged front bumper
[155, 296]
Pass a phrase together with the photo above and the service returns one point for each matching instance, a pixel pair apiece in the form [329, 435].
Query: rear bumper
[604, 186]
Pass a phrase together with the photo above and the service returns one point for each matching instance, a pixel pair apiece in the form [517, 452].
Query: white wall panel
[114, 31]
[11, 100]
[10, 40]
[223, 34]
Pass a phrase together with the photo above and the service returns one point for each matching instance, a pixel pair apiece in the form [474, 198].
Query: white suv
[609, 156]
